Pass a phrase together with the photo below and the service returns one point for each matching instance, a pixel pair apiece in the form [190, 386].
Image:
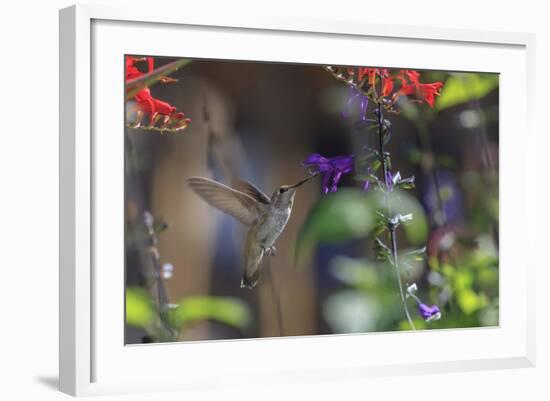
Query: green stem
[393, 236]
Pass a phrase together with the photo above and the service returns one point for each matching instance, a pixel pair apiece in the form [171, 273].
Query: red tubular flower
[422, 92]
[412, 75]
[372, 75]
[369, 73]
[387, 86]
[132, 72]
[149, 105]
[361, 73]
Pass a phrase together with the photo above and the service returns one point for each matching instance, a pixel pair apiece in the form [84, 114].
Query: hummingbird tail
[250, 281]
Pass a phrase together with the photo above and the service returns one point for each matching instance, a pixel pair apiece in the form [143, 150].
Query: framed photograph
[287, 200]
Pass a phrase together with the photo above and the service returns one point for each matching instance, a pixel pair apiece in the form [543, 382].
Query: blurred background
[259, 122]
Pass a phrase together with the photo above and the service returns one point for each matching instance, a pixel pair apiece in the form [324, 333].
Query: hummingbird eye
[282, 190]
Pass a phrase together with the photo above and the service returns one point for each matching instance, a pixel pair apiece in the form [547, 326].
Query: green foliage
[357, 273]
[140, 311]
[337, 217]
[352, 214]
[402, 203]
[416, 230]
[470, 285]
[348, 311]
[230, 311]
[462, 88]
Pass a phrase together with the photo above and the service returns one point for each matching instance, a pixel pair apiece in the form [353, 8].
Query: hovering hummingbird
[265, 217]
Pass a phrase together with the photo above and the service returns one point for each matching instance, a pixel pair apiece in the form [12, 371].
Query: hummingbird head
[284, 196]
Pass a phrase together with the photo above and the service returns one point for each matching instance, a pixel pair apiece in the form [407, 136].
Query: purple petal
[366, 185]
[389, 181]
[428, 311]
[326, 182]
[343, 164]
[320, 163]
[336, 180]
[315, 158]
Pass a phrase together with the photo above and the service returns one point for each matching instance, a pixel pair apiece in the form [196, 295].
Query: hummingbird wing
[235, 203]
[253, 191]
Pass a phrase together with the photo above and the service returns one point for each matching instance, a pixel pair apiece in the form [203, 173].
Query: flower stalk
[162, 304]
[384, 158]
[362, 82]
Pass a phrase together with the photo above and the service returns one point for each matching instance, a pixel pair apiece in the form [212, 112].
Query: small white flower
[406, 218]
[411, 289]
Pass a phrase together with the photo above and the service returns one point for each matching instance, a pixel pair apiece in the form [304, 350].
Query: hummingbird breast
[272, 224]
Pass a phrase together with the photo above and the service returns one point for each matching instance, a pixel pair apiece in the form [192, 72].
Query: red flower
[149, 105]
[132, 71]
[379, 84]
[387, 86]
[369, 73]
[409, 75]
[154, 108]
[422, 92]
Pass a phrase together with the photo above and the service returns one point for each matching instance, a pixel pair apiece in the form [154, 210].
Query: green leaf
[375, 165]
[337, 217]
[417, 254]
[406, 183]
[464, 87]
[469, 301]
[358, 273]
[139, 308]
[230, 311]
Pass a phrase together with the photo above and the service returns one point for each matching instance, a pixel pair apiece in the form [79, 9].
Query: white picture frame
[93, 360]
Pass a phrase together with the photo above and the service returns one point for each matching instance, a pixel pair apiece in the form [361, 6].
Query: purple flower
[355, 96]
[333, 168]
[429, 313]
[391, 180]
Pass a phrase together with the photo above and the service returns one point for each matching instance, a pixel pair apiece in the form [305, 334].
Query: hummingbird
[264, 216]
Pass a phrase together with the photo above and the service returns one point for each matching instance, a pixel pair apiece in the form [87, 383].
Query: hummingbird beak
[303, 181]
